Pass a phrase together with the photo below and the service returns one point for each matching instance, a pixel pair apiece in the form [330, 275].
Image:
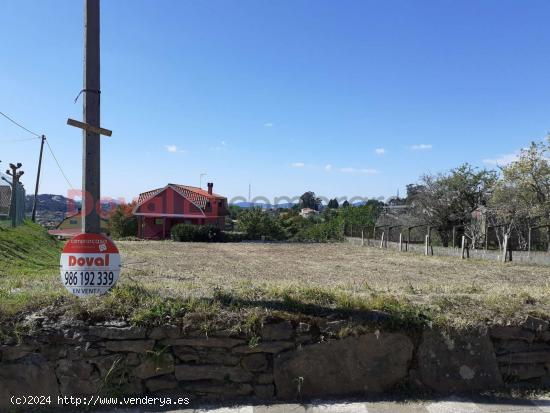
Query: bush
[321, 232]
[208, 233]
[122, 223]
[233, 237]
[184, 232]
[257, 223]
[196, 233]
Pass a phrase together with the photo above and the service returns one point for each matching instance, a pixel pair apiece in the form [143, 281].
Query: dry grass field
[462, 291]
[163, 280]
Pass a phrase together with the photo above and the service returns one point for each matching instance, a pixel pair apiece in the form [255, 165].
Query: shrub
[257, 223]
[122, 223]
[208, 233]
[184, 232]
[195, 233]
[321, 232]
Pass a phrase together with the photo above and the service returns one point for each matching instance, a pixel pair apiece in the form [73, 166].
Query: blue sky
[343, 98]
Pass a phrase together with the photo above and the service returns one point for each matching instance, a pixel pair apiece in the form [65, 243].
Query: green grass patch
[29, 261]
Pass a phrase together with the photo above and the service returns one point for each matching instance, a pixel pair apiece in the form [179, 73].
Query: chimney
[210, 186]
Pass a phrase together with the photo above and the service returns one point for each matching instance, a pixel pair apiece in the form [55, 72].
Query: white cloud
[502, 160]
[366, 171]
[328, 167]
[173, 149]
[380, 151]
[298, 164]
[421, 147]
[268, 124]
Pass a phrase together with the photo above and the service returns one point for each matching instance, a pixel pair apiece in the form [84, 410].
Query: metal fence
[12, 202]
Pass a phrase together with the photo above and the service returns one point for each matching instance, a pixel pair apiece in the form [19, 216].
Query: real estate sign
[90, 265]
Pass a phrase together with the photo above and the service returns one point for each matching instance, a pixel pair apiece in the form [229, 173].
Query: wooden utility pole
[91, 141]
[37, 179]
[15, 175]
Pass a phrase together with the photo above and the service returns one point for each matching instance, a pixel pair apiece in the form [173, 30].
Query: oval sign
[90, 265]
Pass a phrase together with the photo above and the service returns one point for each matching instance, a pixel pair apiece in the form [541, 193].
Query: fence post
[408, 238]
[362, 238]
[464, 251]
[529, 243]
[400, 241]
[382, 240]
[454, 235]
[426, 244]
[505, 249]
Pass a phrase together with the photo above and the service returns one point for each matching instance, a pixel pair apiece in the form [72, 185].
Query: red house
[160, 209]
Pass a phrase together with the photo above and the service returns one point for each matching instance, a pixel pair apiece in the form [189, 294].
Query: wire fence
[422, 239]
[12, 202]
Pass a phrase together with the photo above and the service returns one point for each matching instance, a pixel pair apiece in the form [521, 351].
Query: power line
[58, 165]
[18, 124]
[18, 140]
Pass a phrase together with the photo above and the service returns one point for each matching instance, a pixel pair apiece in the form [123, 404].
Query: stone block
[264, 391]
[118, 333]
[277, 331]
[212, 372]
[511, 333]
[366, 364]
[272, 347]
[134, 346]
[154, 366]
[161, 383]
[32, 375]
[535, 324]
[458, 362]
[220, 342]
[162, 332]
[255, 362]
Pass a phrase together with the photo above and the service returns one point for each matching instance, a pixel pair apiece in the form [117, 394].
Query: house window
[159, 221]
[208, 206]
[220, 204]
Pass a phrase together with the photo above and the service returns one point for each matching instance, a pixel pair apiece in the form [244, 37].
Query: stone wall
[285, 360]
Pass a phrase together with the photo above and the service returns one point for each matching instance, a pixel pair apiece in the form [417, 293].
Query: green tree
[333, 204]
[256, 222]
[122, 223]
[309, 200]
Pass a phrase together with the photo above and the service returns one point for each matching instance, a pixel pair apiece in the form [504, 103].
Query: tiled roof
[148, 195]
[196, 195]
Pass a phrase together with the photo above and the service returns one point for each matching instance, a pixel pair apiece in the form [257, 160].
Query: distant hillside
[263, 206]
[50, 209]
[49, 202]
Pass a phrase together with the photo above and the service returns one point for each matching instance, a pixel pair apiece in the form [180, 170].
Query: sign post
[90, 262]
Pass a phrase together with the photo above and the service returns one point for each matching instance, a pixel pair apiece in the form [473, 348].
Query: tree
[333, 204]
[257, 223]
[309, 200]
[345, 204]
[522, 194]
[122, 223]
[361, 216]
[445, 200]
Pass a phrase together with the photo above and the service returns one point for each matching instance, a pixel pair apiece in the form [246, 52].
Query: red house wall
[169, 202]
